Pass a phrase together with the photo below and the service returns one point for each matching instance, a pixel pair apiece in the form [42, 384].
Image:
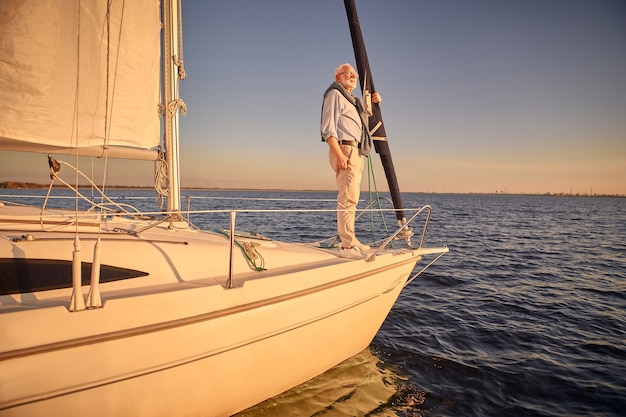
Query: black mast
[376, 126]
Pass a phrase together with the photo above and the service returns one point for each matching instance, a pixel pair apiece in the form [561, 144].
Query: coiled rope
[250, 252]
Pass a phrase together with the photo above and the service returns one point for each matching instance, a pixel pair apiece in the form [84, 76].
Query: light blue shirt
[340, 118]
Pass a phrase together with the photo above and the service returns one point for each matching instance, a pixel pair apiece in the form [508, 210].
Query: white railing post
[229, 283]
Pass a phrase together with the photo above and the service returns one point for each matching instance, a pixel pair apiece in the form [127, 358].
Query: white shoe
[361, 247]
[352, 253]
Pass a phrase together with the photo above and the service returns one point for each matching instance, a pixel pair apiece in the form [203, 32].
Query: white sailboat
[111, 312]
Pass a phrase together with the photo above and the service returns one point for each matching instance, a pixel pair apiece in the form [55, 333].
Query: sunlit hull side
[177, 339]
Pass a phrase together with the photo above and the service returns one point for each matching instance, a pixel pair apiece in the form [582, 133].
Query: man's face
[348, 78]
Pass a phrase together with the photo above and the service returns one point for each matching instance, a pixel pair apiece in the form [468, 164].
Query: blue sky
[478, 95]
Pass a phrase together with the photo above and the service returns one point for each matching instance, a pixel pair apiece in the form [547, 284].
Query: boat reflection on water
[361, 385]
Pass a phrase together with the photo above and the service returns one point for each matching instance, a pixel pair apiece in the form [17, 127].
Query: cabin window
[30, 275]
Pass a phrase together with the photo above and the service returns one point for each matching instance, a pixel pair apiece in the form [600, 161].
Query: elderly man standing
[344, 128]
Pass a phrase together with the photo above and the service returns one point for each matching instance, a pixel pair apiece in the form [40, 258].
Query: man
[344, 128]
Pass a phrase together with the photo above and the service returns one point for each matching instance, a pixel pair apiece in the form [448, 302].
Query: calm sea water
[524, 317]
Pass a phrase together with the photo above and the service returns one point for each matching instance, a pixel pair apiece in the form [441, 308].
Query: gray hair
[341, 67]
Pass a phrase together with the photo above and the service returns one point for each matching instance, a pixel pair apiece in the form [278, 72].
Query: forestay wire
[371, 182]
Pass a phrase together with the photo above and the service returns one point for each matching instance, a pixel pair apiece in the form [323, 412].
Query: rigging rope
[175, 105]
[55, 167]
[108, 109]
[181, 68]
[371, 180]
[160, 177]
[249, 252]
[249, 248]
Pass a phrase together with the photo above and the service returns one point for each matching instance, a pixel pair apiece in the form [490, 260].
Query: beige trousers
[349, 190]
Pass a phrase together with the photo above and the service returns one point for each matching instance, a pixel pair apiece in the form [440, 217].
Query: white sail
[73, 78]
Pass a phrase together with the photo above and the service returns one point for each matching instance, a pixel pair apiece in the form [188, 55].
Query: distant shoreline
[15, 185]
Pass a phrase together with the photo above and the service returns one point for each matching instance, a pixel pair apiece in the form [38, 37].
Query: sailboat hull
[161, 344]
